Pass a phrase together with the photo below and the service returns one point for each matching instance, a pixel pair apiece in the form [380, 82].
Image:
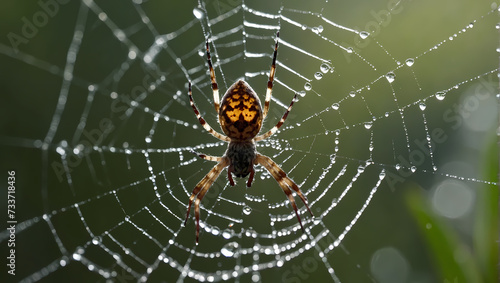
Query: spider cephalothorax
[240, 117]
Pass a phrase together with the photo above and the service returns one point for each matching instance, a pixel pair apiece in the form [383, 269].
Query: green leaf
[452, 257]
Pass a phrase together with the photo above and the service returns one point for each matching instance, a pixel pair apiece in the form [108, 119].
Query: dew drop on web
[422, 106]
[390, 77]
[229, 249]
[440, 95]
[247, 210]
[325, 68]
[368, 125]
[307, 86]
[198, 13]
[409, 62]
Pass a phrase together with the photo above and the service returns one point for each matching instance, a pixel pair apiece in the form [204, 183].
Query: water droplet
[60, 150]
[227, 233]
[440, 95]
[247, 210]
[364, 34]
[316, 220]
[304, 27]
[215, 231]
[229, 249]
[349, 50]
[413, 169]
[320, 28]
[63, 261]
[398, 166]
[251, 233]
[381, 175]
[307, 86]
[390, 77]
[434, 168]
[198, 13]
[96, 240]
[316, 30]
[422, 106]
[318, 75]
[409, 62]
[386, 114]
[361, 169]
[497, 26]
[352, 93]
[148, 139]
[368, 125]
[335, 106]
[301, 93]
[325, 68]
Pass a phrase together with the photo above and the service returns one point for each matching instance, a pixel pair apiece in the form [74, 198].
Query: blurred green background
[427, 226]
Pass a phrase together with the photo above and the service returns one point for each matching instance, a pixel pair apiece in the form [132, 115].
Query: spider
[240, 117]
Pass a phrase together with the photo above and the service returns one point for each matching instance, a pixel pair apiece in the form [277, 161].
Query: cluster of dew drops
[325, 67]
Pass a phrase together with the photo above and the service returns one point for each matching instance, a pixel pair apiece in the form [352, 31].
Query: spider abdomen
[241, 156]
[240, 114]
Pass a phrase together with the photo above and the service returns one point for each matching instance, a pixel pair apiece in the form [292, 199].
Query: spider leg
[285, 182]
[204, 123]
[274, 129]
[201, 189]
[250, 179]
[230, 169]
[271, 79]
[207, 157]
[294, 186]
[215, 88]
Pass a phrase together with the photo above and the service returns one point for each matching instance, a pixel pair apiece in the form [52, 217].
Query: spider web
[99, 129]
